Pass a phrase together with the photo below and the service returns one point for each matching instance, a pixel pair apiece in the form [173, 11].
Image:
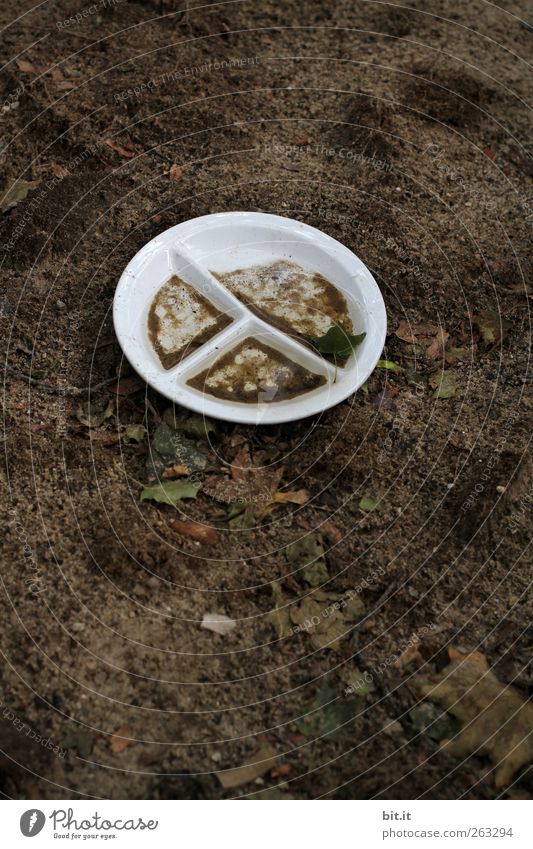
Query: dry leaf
[55, 73]
[119, 149]
[408, 332]
[281, 771]
[308, 555]
[176, 172]
[218, 622]
[300, 496]
[251, 485]
[118, 741]
[436, 349]
[411, 653]
[223, 489]
[89, 415]
[26, 67]
[59, 171]
[497, 721]
[302, 141]
[196, 530]
[492, 326]
[263, 761]
[431, 336]
[242, 464]
[65, 85]
[326, 617]
[128, 385]
[178, 470]
[135, 432]
[444, 383]
[13, 195]
[333, 535]
[279, 615]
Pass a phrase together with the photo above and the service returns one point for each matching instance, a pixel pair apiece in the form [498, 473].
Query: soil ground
[400, 131]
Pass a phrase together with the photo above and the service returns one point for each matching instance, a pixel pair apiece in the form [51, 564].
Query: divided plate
[234, 240]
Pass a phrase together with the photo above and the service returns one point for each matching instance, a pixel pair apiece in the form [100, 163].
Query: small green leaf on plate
[337, 342]
[368, 504]
[170, 493]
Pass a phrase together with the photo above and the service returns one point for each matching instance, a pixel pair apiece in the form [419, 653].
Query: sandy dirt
[403, 133]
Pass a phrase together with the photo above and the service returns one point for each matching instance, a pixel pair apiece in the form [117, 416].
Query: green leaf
[414, 378]
[389, 365]
[326, 617]
[337, 342]
[171, 492]
[368, 504]
[454, 355]
[444, 383]
[12, 195]
[243, 521]
[492, 326]
[426, 718]
[135, 432]
[309, 553]
[236, 508]
[171, 447]
[91, 417]
[80, 740]
[192, 424]
[358, 683]
[279, 615]
[328, 715]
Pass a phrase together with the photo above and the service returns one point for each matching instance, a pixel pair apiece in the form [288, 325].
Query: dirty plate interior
[217, 313]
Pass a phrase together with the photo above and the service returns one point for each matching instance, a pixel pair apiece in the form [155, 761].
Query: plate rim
[296, 408]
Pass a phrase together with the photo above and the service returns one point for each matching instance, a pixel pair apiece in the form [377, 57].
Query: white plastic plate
[224, 242]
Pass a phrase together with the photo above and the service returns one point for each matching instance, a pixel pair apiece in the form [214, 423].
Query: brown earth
[402, 133]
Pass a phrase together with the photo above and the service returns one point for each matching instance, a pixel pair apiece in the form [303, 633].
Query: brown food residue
[180, 320]
[255, 373]
[289, 297]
